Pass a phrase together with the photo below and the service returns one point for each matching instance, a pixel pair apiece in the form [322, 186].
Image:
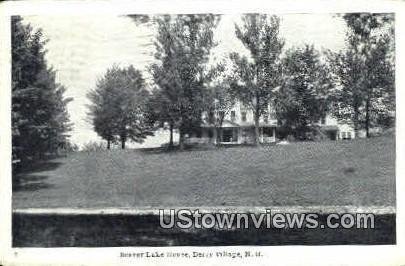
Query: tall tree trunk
[256, 118]
[171, 136]
[356, 121]
[218, 135]
[181, 139]
[257, 131]
[367, 125]
[219, 128]
[108, 144]
[123, 140]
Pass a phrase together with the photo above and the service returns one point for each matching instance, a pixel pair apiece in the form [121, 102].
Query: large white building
[238, 128]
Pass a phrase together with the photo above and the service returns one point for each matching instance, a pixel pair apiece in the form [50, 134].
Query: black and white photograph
[203, 129]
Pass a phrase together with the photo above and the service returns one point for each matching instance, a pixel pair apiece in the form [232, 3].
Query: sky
[82, 48]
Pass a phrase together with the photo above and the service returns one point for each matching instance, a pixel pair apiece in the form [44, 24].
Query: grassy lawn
[359, 173]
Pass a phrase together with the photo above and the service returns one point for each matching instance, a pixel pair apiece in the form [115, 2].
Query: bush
[290, 138]
[71, 147]
[93, 146]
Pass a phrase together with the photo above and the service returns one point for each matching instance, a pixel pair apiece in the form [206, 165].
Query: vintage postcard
[158, 133]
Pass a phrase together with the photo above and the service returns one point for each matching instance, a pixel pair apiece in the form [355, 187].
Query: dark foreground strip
[83, 230]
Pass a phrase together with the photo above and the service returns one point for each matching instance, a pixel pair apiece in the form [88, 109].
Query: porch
[233, 135]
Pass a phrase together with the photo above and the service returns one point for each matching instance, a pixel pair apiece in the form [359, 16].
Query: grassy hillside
[359, 172]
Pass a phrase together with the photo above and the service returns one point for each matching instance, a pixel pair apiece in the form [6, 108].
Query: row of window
[233, 116]
[231, 134]
[243, 117]
[242, 114]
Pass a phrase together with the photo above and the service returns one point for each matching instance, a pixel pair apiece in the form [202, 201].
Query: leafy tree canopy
[40, 120]
[118, 107]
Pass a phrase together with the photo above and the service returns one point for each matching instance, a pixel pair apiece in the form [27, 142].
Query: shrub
[93, 146]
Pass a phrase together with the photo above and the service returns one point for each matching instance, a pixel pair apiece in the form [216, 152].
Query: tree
[40, 120]
[161, 112]
[219, 99]
[364, 71]
[103, 112]
[183, 45]
[119, 106]
[302, 100]
[256, 79]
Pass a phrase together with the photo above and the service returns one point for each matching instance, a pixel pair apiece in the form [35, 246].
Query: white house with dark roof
[238, 128]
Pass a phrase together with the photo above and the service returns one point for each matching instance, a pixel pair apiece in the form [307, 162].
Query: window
[233, 116]
[243, 115]
[210, 133]
[198, 132]
[268, 132]
[346, 135]
[220, 116]
[266, 118]
[211, 118]
[272, 115]
[229, 135]
[343, 135]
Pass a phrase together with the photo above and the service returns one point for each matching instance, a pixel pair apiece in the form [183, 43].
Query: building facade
[238, 128]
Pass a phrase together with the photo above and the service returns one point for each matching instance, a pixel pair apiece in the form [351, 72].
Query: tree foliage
[40, 120]
[220, 99]
[364, 72]
[118, 107]
[181, 74]
[256, 77]
[162, 113]
[302, 100]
